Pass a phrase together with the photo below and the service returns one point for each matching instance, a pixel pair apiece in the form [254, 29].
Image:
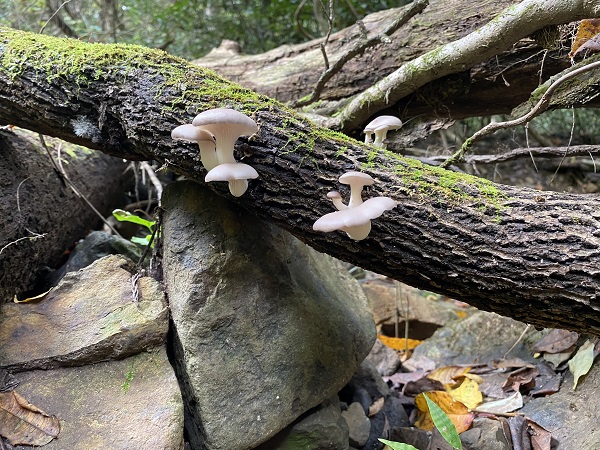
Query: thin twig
[52, 16]
[31, 238]
[361, 45]
[522, 152]
[63, 176]
[329, 29]
[539, 107]
[519, 339]
[154, 179]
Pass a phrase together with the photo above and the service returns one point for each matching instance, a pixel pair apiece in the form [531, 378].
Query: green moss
[182, 85]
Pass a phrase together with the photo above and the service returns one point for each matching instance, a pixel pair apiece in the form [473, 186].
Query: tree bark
[490, 86]
[531, 255]
[41, 216]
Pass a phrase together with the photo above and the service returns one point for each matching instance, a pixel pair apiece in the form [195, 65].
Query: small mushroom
[380, 126]
[356, 180]
[237, 174]
[205, 140]
[227, 125]
[356, 222]
[336, 198]
[354, 219]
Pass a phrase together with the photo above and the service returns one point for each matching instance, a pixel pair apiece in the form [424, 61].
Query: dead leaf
[456, 411]
[376, 406]
[467, 393]
[25, 424]
[447, 375]
[503, 406]
[399, 344]
[587, 29]
[540, 437]
[422, 385]
[557, 341]
[547, 382]
[523, 378]
[582, 362]
[35, 299]
[510, 363]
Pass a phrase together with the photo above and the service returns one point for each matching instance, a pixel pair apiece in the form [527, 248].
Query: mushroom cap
[231, 172]
[356, 178]
[220, 117]
[333, 194]
[354, 217]
[383, 122]
[189, 132]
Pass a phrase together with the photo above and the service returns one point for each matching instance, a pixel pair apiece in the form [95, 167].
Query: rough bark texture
[534, 256]
[33, 199]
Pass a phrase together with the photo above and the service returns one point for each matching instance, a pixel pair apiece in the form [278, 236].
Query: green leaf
[581, 363]
[124, 216]
[443, 424]
[397, 445]
[141, 240]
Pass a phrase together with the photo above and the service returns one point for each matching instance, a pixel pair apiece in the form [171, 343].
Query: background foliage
[188, 28]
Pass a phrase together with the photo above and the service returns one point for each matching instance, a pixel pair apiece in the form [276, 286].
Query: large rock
[90, 316]
[265, 327]
[134, 403]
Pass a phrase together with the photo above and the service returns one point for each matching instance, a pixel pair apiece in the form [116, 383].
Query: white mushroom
[237, 174]
[205, 140]
[380, 126]
[356, 180]
[227, 125]
[356, 222]
[336, 198]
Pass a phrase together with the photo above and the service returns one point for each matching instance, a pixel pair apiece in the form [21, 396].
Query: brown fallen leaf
[25, 424]
[540, 437]
[399, 344]
[376, 406]
[586, 30]
[556, 341]
[521, 379]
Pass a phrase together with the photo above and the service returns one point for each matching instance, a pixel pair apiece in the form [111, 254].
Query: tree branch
[498, 35]
[361, 45]
[530, 255]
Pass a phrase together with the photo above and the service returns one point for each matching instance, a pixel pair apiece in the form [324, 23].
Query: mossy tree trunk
[534, 256]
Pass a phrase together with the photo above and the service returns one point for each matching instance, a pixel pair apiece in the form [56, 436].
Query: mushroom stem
[368, 137]
[238, 187]
[380, 135]
[358, 233]
[355, 196]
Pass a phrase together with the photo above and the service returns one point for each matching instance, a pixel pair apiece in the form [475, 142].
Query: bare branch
[524, 152]
[514, 23]
[361, 45]
[540, 107]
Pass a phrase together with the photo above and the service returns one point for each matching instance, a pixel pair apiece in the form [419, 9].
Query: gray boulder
[265, 327]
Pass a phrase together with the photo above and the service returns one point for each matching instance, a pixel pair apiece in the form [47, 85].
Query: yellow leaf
[456, 411]
[467, 393]
[400, 344]
[37, 298]
[447, 375]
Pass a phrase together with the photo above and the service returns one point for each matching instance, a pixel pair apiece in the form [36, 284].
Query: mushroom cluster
[216, 131]
[354, 218]
[380, 126]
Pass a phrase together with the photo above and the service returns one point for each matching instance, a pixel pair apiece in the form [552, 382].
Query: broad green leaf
[581, 363]
[125, 216]
[397, 445]
[443, 424]
[141, 240]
